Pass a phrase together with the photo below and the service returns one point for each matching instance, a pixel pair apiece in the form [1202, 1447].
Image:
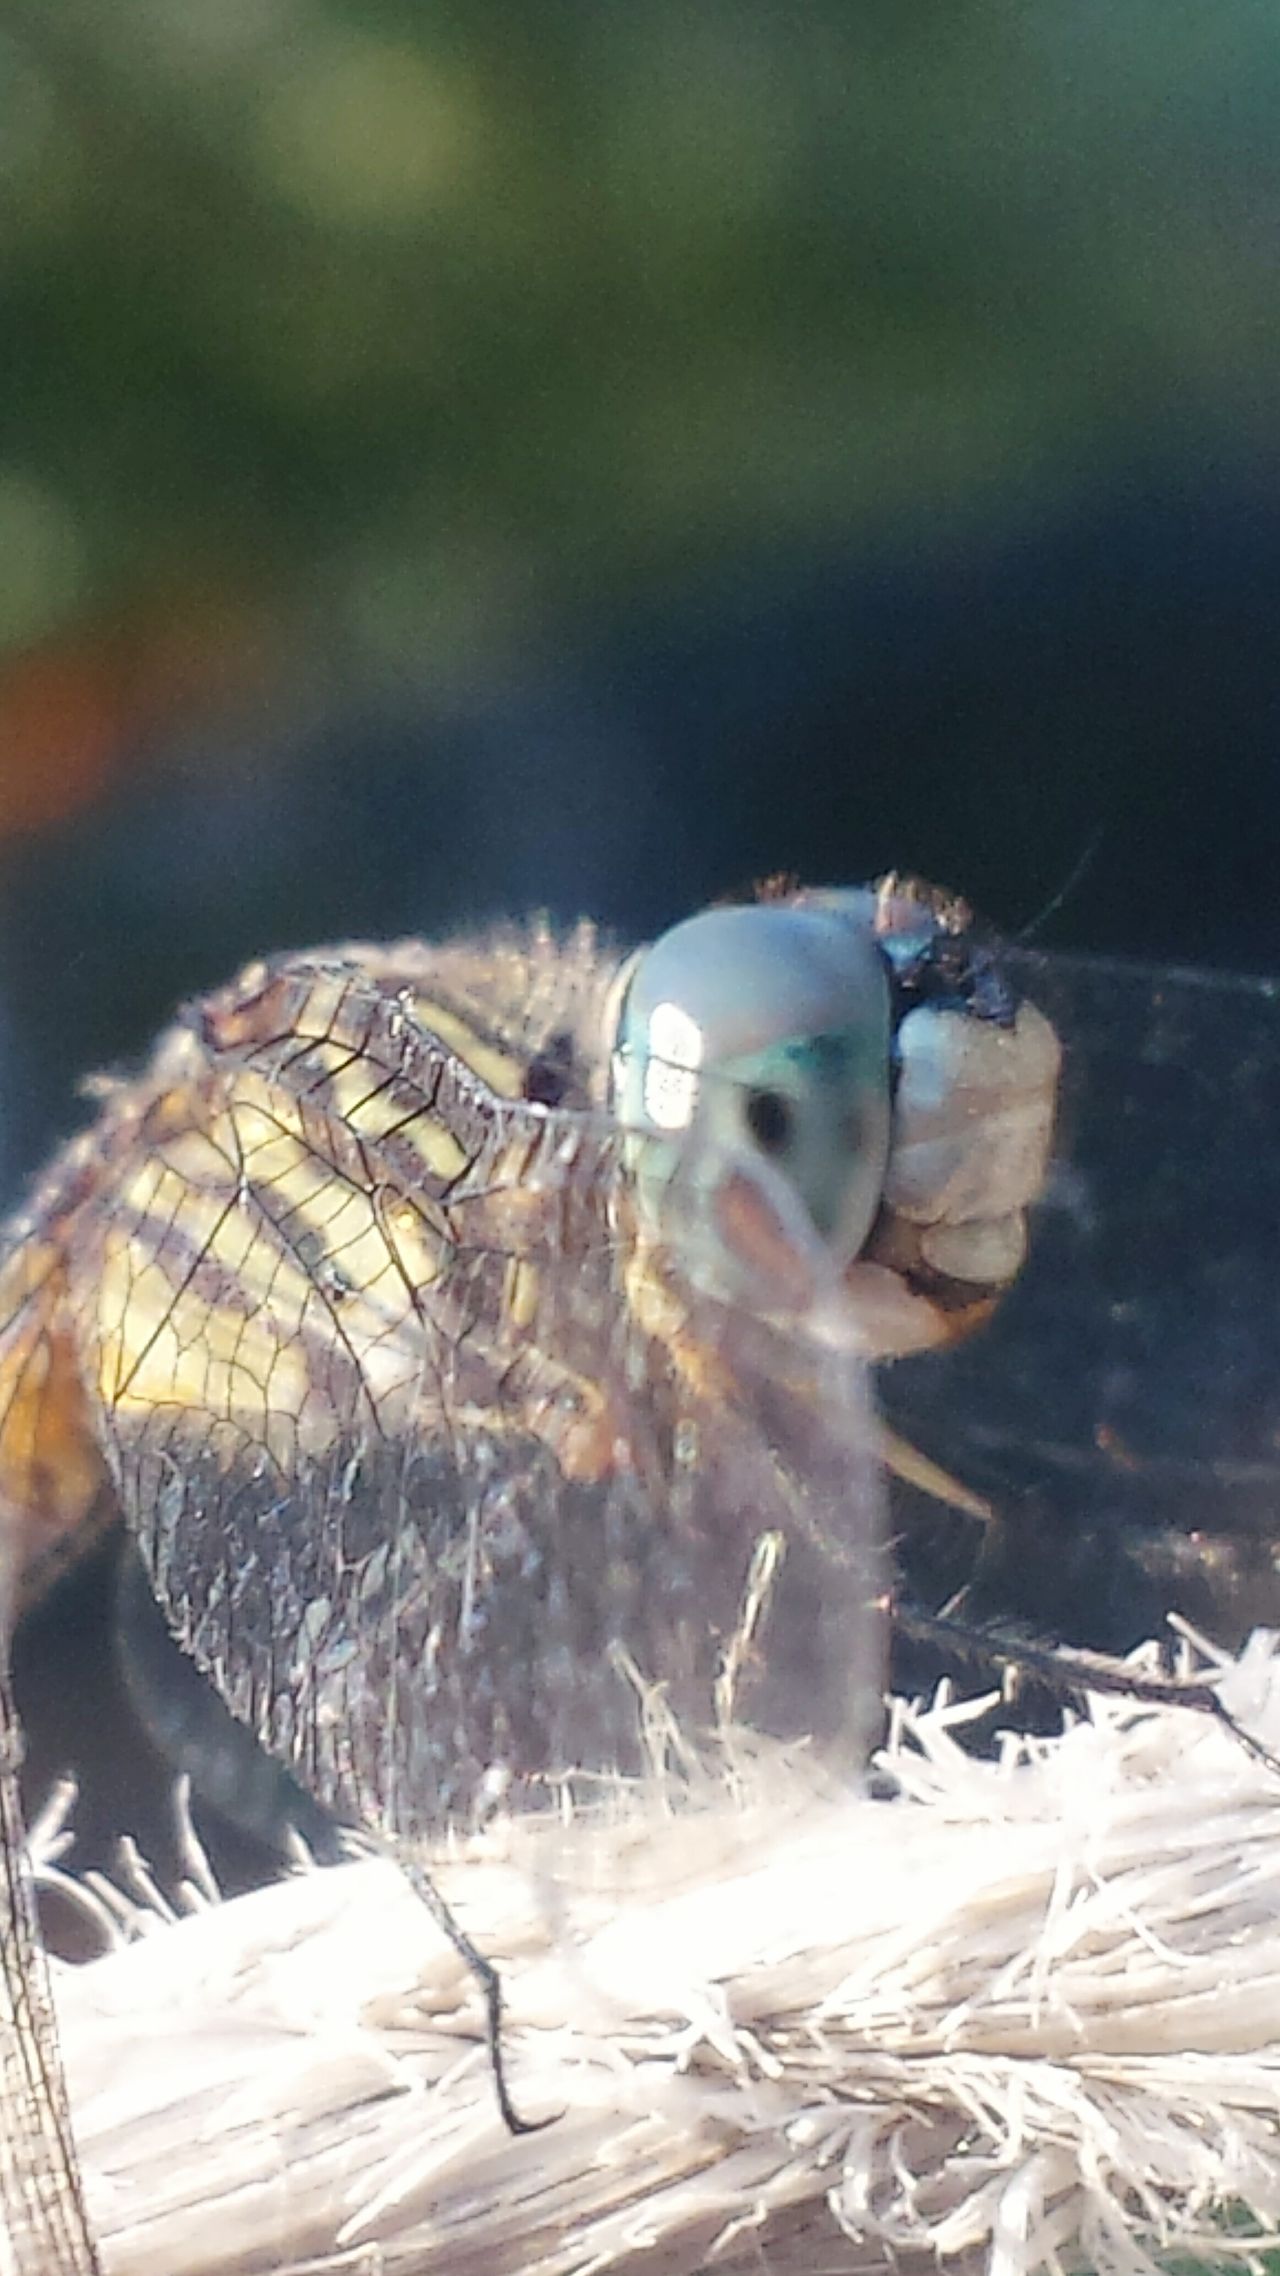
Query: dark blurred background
[457, 459]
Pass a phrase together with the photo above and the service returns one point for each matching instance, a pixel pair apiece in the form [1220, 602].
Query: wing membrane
[45, 2223]
[414, 1433]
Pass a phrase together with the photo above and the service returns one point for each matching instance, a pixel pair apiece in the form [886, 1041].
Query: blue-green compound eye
[759, 1033]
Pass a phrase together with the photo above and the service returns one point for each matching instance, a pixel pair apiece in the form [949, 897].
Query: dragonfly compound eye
[757, 1039]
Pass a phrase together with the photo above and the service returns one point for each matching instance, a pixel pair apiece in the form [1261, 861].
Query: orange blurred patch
[76, 712]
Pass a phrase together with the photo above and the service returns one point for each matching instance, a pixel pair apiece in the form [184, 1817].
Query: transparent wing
[438, 1470]
[44, 2221]
[1122, 1413]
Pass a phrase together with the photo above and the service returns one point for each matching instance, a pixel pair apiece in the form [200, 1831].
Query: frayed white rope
[1025, 2015]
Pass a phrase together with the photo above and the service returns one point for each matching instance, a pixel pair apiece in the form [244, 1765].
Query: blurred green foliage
[445, 321]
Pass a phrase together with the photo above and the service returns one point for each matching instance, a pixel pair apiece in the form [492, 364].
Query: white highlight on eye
[675, 1050]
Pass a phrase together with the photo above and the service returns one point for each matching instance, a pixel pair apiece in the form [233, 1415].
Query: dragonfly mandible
[443, 1321]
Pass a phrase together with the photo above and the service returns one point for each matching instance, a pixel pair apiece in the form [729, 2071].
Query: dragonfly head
[836, 1089]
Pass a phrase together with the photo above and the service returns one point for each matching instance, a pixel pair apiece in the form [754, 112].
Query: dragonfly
[451, 1325]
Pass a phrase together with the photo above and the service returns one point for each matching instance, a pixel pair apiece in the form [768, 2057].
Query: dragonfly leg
[489, 1979]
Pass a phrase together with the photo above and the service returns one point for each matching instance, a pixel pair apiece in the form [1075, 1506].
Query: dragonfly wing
[412, 1437]
[1122, 1412]
[50, 1479]
[41, 2200]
